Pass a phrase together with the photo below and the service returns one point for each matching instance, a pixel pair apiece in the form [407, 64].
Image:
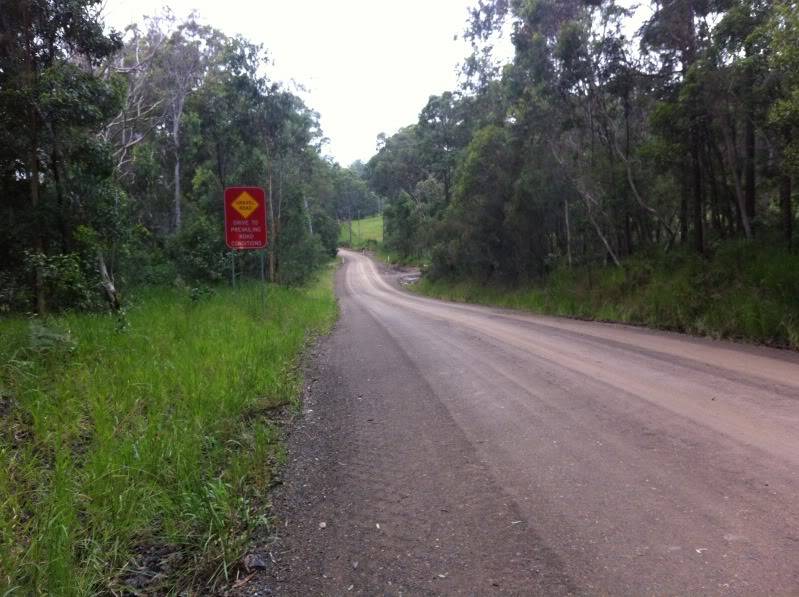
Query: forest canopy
[115, 148]
[608, 134]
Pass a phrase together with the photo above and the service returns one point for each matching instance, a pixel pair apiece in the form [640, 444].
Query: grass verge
[743, 292]
[135, 451]
[367, 233]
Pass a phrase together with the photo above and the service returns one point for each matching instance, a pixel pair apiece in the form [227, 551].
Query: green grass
[146, 436]
[367, 233]
[743, 292]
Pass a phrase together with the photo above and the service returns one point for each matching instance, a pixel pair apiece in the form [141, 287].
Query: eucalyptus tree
[143, 103]
[600, 140]
[443, 133]
[182, 66]
[781, 32]
[55, 175]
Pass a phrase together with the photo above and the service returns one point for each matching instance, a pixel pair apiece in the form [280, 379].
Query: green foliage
[744, 292]
[594, 143]
[301, 253]
[198, 251]
[476, 240]
[65, 279]
[146, 261]
[149, 438]
[133, 145]
[781, 32]
[54, 173]
[325, 226]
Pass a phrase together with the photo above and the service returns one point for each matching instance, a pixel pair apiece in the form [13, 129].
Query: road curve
[509, 453]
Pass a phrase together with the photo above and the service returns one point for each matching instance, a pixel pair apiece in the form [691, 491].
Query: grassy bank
[367, 233]
[140, 446]
[743, 292]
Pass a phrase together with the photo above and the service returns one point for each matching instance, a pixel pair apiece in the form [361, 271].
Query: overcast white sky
[369, 65]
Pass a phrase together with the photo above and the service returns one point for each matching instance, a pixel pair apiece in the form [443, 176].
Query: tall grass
[743, 291]
[142, 445]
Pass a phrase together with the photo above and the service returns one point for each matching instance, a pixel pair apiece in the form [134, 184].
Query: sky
[368, 66]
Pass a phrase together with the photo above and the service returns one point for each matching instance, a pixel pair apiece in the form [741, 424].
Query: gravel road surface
[451, 449]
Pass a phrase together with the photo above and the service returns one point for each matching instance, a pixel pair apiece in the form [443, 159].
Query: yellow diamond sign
[245, 204]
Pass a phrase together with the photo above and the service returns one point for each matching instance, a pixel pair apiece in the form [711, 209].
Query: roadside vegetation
[636, 165]
[137, 390]
[115, 149]
[366, 233]
[742, 293]
[135, 450]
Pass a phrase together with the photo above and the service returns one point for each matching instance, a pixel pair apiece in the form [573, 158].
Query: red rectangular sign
[245, 217]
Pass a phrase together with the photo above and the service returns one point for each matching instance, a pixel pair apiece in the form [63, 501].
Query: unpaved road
[454, 449]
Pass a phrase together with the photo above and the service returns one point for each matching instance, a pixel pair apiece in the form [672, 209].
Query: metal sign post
[263, 281]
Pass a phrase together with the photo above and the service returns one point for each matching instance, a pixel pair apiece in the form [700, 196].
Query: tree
[51, 108]
[781, 32]
[442, 134]
[182, 66]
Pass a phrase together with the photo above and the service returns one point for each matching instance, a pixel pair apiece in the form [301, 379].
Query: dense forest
[612, 132]
[115, 148]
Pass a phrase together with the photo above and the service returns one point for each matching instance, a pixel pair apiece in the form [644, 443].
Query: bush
[66, 280]
[198, 251]
[744, 290]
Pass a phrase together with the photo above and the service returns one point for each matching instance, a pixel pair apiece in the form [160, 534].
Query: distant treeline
[115, 149]
[608, 134]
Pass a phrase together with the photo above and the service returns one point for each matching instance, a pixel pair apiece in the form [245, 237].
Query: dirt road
[453, 449]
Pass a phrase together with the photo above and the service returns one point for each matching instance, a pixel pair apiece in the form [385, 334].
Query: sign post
[245, 224]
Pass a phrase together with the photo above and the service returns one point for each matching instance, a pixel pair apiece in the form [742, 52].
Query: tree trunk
[108, 283]
[177, 180]
[715, 200]
[59, 191]
[749, 171]
[568, 232]
[729, 142]
[280, 175]
[640, 200]
[38, 243]
[727, 198]
[584, 192]
[220, 169]
[628, 233]
[786, 208]
[684, 212]
[749, 146]
[699, 228]
[41, 305]
[308, 213]
[272, 239]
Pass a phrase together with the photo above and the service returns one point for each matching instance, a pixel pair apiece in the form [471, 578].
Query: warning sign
[245, 217]
[245, 204]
